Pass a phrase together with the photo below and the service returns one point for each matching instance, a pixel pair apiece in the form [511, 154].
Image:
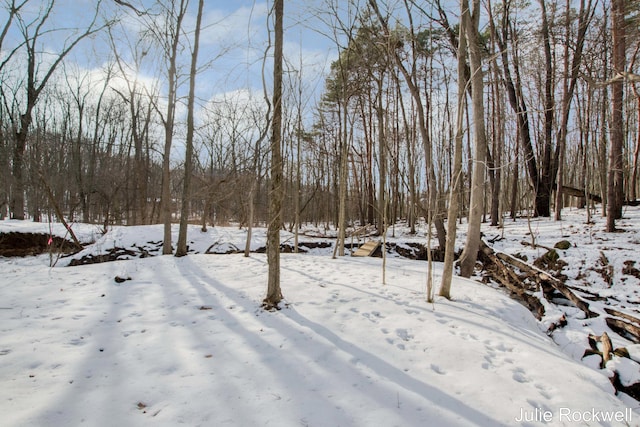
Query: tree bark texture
[470, 254]
[274, 293]
[615, 184]
[181, 249]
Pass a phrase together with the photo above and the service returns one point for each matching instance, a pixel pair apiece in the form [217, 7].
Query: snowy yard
[184, 342]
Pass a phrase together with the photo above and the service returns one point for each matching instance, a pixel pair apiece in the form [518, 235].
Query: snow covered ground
[184, 342]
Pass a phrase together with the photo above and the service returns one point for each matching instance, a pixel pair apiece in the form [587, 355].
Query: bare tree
[167, 33]
[181, 249]
[411, 79]
[471, 19]
[140, 115]
[456, 176]
[13, 9]
[276, 193]
[569, 86]
[615, 185]
[36, 80]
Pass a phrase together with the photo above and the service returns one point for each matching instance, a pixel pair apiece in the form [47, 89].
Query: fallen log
[510, 280]
[625, 316]
[543, 277]
[577, 192]
[536, 245]
[624, 328]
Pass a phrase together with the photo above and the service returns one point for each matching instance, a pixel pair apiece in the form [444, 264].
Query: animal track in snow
[437, 369]
[520, 376]
[404, 334]
[373, 316]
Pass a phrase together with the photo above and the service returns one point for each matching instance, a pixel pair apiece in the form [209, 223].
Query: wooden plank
[367, 249]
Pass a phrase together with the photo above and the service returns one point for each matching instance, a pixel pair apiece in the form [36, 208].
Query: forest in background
[535, 108]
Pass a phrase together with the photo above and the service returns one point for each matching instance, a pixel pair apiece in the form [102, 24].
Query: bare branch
[130, 6]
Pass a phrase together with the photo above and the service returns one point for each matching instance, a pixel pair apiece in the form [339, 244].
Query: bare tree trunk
[636, 155]
[570, 82]
[255, 183]
[498, 148]
[344, 175]
[543, 184]
[181, 249]
[456, 176]
[171, 56]
[514, 183]
[250, 219]
[382, 152]
[615, 184]
[274, 293]
[298, 168]
[470, 253]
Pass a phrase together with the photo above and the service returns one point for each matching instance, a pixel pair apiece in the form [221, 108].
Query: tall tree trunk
[516, 100]
[343, 178]
[498, 147]
[633, 184]
[544, 182]
[470, 253]
[274, 293]
[16, 204]
[615, 185]
[456, 176]
[570, 82]
[181, 249]
[382, 152]
[167, 202]
[514, 183]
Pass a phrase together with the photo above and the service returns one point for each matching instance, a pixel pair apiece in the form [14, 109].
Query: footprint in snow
[404, 334]
[520, 376]
[437, 369]
[469, 337]
[77, 341]
[373, 316]
[489, 357]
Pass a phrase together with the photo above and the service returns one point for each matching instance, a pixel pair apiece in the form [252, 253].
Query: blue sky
[233, 40]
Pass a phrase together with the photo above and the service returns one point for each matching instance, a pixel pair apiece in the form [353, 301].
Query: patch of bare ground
[16, 244]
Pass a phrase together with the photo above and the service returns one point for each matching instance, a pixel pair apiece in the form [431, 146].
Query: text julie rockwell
[569, 415]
